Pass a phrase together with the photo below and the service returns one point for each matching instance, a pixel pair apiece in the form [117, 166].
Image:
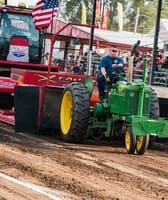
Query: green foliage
[147, 13]
[72, 11]
[22, 5]
[146, 18]
[2, 2]
[164, 13]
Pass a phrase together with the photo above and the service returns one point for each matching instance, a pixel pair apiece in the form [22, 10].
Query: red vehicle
[19, 40]
[30, 91]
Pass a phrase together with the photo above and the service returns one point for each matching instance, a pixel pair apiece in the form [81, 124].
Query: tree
[72, 11]
[146, 19]
[2, 2]
[164, 13]
[22, 5]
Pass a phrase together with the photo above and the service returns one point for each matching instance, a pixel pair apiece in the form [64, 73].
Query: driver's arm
[102, 66]
[103, 71]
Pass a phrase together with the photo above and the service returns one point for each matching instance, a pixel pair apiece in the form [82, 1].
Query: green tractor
[131, 108]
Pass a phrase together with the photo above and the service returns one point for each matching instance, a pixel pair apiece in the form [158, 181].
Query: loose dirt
[91, 171]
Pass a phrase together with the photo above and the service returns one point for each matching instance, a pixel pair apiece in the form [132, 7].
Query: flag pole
[91, 39]
[44, 43]
[52, 21]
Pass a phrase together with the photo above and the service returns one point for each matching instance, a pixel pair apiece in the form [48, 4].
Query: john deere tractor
[130, 108]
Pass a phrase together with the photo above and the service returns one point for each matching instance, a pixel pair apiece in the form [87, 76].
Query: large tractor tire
[142, 143]
[74, 113]
[130, 141]
[154, 112]
[154, 106]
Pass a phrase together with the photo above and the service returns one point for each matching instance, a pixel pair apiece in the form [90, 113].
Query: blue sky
[28, 2]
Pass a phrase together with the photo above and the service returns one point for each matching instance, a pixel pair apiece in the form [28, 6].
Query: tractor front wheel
[130, 141]
[74, 113]
[142, 143]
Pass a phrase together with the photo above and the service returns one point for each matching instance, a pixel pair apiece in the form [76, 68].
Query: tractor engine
[123, 99]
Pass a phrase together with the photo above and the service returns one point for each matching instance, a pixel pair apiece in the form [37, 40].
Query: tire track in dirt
[90, 171]
[105, 173]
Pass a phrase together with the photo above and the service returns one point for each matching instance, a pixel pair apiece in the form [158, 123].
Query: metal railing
[160, 76]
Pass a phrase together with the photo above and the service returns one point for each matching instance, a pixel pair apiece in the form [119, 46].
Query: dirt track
[91, 171]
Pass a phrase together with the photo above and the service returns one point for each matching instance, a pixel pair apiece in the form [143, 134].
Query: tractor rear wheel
[154, 106]
[154, 112]
[74, 113]
[142, 143]
[130, 141]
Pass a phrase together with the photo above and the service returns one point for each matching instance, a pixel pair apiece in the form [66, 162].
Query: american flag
[43, 13]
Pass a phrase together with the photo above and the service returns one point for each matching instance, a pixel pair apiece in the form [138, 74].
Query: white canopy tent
[163, 32]
[124, 37]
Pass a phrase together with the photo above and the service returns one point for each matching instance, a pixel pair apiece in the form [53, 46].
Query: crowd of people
[108, 64]
[138, 60]
[161, 61]
[112, 61]
[112, 58]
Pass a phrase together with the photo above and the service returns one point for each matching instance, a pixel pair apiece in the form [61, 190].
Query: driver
[8, 24]
[9, 30]
[108, 66]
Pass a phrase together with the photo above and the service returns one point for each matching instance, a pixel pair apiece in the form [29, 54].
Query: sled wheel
[130, 141]
[74, 113]
[142, 143]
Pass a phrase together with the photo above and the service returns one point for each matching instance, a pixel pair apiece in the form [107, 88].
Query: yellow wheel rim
[127, 140]
[66, 112]
[139, 142]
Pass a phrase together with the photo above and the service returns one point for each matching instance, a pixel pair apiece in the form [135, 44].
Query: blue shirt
[107, 62]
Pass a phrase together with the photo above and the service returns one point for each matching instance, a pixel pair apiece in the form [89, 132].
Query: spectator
[76, 68]
[47, 56]
[67, 68]
[57, 66]
[134, 49]
[165, 63]
[159, 58]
